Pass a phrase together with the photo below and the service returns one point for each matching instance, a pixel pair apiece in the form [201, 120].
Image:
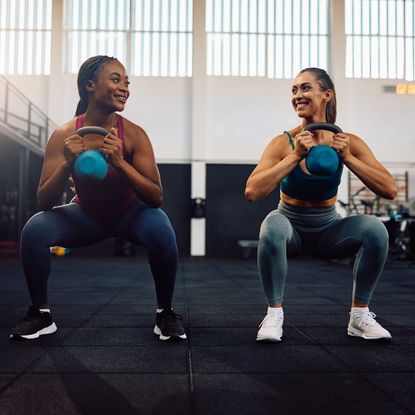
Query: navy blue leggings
[325, 234]
[71, 227]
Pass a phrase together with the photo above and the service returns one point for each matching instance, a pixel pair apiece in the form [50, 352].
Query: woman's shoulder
[357, 144]
[285, 137]
[64, 130]
[280, 139]
[353, 137]
[132, 128]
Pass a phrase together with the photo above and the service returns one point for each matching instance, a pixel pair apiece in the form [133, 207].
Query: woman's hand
[341, 143]
[112, 148]
[304, 141]
[74, 145]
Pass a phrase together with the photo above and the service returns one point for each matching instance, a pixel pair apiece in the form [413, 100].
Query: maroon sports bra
[109, 197]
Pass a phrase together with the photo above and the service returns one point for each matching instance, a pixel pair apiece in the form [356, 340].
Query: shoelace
[368, 318]
[271, 320]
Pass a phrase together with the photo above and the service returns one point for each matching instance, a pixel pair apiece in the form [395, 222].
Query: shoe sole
[158, 332]
[358, 333]
[268, 339]
[47, 330]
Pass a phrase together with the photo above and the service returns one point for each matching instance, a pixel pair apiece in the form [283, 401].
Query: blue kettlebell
[322, 160]
[91, 164]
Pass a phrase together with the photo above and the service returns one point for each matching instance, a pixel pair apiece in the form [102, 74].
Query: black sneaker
[35, 324]
[167, 325]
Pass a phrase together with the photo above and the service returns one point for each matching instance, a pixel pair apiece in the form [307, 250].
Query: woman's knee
[158, 232]
[35, 230]
[275, 229]
[374, 231]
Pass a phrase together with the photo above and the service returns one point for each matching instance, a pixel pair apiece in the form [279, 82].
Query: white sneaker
[270, 328]
[362, 323]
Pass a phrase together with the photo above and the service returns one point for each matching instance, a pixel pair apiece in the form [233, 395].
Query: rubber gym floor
[105, 359]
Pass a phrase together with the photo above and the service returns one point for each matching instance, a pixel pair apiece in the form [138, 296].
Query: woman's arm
[60, 152]
[143, 173]
[358, 157]
[276, 162]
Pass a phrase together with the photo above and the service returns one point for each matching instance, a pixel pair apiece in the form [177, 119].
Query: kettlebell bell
[322, 160]
[91, 164]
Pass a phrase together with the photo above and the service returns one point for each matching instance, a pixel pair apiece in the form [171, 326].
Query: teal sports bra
[302, 186]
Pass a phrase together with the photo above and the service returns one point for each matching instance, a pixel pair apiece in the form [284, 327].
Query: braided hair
[325, 82]
[88, 72]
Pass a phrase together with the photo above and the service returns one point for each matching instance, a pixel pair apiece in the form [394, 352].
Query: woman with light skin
[125, 203]
[306, 218]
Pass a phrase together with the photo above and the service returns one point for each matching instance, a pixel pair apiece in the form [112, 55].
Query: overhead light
[405, 89]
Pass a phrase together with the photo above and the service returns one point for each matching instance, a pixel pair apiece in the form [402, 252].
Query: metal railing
[24, 117]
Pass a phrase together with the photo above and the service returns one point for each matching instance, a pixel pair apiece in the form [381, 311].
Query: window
[25, 36]
[274, 38]
[150, 37]
[96, 27]
[162, 38]
[380, 36]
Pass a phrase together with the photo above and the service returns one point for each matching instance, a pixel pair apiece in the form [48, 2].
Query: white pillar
[198, 225]
[56, 109]
[198, 139]
[337, 53]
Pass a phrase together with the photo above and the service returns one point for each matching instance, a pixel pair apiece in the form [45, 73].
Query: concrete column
[337, 54]
[57, 59]
[198, 137]
[337, 51]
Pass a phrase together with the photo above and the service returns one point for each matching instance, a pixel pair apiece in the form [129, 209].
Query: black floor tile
[402, 388]
[317, 319]
[75, 309]
[15, 358]
[115, 359]
[264, 358]
[104, 394]
[376, 356]
[122, 320]
[230, 336]
[401, 319]
[339, 336]
[114, 337]
[290, 394]
[230, 320]
[224, 309]
[5, 379]
[117, 309]
[105, 358]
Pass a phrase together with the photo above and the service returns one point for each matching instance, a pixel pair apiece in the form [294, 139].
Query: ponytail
[81, 107]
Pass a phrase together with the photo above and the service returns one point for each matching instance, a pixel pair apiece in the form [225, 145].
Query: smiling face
[110, 87]
[307, 98]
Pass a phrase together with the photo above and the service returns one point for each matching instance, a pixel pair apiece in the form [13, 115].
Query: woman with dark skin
[124, 204]
[306, 218]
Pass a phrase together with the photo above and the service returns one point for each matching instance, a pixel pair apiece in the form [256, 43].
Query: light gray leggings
[288, 230]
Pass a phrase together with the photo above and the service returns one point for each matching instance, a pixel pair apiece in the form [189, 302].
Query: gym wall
[229, 216]
[231, 119]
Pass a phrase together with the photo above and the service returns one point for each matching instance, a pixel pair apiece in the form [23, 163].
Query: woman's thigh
[145, 225]
[346, 236]
[66, 225]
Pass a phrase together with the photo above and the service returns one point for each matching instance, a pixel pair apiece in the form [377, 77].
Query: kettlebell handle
[92, 130]
[323, 126]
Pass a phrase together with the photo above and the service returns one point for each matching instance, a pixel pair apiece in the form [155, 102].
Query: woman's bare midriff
[307, 203]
